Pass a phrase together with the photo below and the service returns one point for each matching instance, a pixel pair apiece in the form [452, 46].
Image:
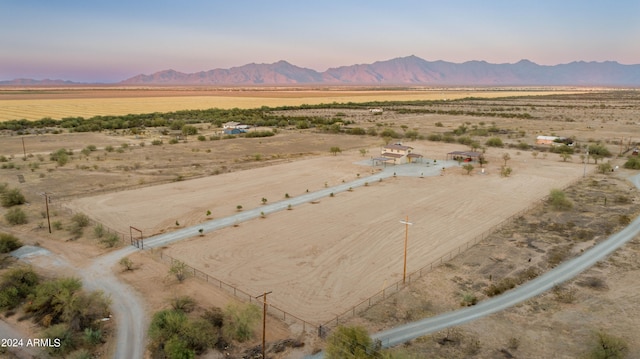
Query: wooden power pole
[264, 321]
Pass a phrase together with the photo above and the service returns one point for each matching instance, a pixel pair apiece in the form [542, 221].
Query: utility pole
[406, 240]
[24, 150]
[586, 160]
[46, 203]
[264, 320]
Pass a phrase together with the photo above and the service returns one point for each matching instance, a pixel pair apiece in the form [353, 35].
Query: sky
[112, 40]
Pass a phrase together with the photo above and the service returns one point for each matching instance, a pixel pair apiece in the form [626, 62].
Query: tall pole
[406, 240]
[46, 203]
[24, 150]
[586, 160]
[264, 321]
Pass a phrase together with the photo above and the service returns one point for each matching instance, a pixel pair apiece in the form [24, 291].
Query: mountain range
[410, 70]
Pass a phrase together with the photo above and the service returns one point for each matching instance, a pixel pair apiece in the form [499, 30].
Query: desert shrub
[505, 171]
[254, 134]
[183, 303]
[240, 320]
[16, 285]
[179, 269]
[494, 142]
[622, 199]
[559, 200]
[607, 346]
[8, 243]
[632, 163]
[564, 295]
[468, 299]
[56, 225]
[64, 334]
[202, 138]
[92, 336]
[12, 197]
[177, 347]
[81, 219]
[126, 263]
[500, 287]
[435, 137]
[624, 220]
[557, 255]
[109, 148]
[215, 316]
[61, 157]
[593, 283]
[173, 141]
[189, 130]
[156, 142]
[350, 342]
[16, 216]
[99, 231]
[110, 240]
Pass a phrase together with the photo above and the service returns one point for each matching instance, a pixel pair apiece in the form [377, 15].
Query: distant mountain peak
[407, 70]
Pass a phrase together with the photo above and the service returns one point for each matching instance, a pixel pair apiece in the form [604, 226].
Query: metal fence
[324, 328]
[413, 276]
[61, 208]
[242, 295]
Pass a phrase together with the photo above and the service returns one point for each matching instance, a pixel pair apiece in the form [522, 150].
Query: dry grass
[60, 103]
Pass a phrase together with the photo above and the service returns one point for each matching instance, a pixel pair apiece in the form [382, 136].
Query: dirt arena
[321, 259]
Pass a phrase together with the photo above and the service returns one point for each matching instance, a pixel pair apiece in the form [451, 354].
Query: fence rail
[413, 276]
[273, 310]
[325, 327]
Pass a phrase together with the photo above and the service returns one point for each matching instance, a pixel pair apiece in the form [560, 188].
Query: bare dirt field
[321, 259]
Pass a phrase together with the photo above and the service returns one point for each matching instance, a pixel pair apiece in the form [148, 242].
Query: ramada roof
[392, 155]
[397, 147]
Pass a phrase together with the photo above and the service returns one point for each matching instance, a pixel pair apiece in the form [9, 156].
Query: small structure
[233, 131]
[546, 140]
[231, 124]
[398, 151]
[465, 156]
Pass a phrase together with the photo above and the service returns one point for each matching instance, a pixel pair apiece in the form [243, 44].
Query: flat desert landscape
[320, 259]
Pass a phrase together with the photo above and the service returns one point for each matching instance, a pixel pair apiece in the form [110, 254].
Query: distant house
[231, 124]
[546, 140]
[233, 131]
[398, 151]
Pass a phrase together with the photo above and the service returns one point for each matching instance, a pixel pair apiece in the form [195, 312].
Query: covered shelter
[466, 156]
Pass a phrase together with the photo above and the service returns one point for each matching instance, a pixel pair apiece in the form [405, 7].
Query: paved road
[541, 284]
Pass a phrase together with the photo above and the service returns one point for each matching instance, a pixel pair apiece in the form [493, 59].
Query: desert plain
[320, 259]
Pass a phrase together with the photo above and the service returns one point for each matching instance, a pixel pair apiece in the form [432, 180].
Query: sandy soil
[321, 259]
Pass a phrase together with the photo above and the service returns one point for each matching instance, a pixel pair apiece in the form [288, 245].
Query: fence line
[242, 295]
[94, 223]
[323, 328]
[397, 286]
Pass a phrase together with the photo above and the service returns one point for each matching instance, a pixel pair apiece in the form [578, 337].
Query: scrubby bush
[11, 197]
[559, 200]
[16, 216]
[633, 163]
[110, 240]
[494, 142]
[350, 342]
[16, 285]
[8, 243]
[61, 156]
[240, 320]
[605, 345]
